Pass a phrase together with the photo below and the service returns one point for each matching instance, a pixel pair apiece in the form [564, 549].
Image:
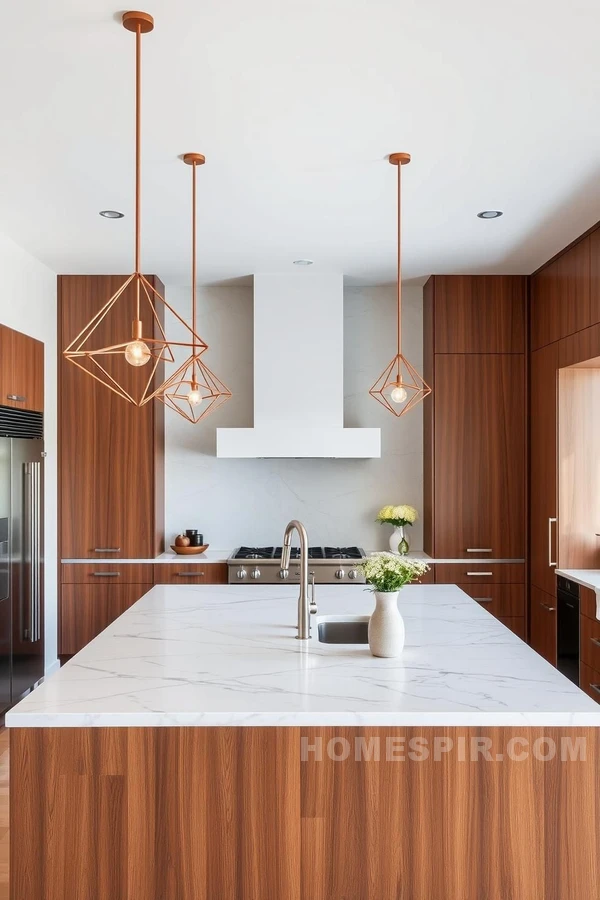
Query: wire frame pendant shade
[399, 388]
[131, 364]
[194, 391]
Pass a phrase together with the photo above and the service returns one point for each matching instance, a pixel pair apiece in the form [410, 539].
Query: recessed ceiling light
[490, 214]
[111, 214]
[303, 262]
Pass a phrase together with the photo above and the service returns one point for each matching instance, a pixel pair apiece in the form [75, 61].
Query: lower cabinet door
[542, 624]
[589, 681]
[87, 609]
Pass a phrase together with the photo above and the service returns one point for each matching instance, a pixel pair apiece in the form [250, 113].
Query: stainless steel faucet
[304, 608]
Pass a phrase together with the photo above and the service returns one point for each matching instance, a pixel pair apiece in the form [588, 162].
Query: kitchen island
[196, 749]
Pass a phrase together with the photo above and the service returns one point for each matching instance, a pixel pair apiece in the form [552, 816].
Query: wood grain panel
[543, 441]
[542, 623]
[487, 573]
[428, 419]
[561, 295]
[186, 572]
[87, 609]
[480, 313]
[589, 642]
[587, 602]
[515, 623]
[21, 370]
[580, 347]
[589, 681]
[111, 573]
[207, 813]
[501, 600]
[595, 274]
[579, 482]
[110, 457]
[480, 455]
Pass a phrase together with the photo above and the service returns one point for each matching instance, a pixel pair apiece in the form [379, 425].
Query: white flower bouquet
[398, 516]
[385, 572]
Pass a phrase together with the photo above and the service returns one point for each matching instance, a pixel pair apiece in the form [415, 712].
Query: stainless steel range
[261, 565]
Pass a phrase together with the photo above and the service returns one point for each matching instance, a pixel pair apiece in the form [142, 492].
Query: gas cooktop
[314, 553]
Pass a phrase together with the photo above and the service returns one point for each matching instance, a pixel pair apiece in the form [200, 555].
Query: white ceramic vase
[398, 542]
[386, 625]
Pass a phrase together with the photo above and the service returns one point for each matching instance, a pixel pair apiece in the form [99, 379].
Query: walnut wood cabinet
[564, 297]
[110, 451]
[87, 609]
[543, 501]
[474, 422]
[542, 623]
[21, 370]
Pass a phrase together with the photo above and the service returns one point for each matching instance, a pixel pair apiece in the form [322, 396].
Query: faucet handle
[313, 603]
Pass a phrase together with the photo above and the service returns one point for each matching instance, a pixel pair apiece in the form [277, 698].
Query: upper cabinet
[479, 313]
[565, 297]
[21, 370]
[111, 481]
[474, 422]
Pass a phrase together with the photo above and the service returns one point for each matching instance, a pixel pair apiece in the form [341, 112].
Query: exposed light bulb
[137, 353]
[195, 397]
[398, 395]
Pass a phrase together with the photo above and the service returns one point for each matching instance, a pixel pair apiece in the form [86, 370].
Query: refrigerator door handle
[31, 628]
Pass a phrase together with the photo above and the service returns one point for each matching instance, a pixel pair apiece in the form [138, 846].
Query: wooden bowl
[189, 551]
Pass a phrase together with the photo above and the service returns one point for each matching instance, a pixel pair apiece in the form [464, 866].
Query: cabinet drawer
[190, 573]
[589, 681]
[98, 573]
[479, 573]
[515, 623]
[87, 609]
[499, 599]
[589, 642]
[587, 603]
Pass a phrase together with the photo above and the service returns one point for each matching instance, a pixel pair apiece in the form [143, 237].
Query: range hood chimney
[298, 374]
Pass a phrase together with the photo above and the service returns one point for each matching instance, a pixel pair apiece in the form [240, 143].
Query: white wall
[250, 501]
[28, 304]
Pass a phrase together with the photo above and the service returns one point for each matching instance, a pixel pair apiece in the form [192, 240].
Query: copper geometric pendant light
[100, 349]
[399, 387]
[193, 390]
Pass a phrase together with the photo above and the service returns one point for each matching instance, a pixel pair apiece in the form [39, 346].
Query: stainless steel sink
[336, 630]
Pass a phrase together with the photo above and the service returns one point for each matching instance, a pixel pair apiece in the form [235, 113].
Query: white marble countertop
[227, 655]
[589, 578]
[209, 556]
[219, 556]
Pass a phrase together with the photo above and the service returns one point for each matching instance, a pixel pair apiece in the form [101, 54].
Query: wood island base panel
[286, 813]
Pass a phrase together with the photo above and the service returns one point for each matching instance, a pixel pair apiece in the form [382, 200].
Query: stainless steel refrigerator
[21, 553]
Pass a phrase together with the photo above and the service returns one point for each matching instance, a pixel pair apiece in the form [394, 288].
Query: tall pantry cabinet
[111, 471]
[475, 437]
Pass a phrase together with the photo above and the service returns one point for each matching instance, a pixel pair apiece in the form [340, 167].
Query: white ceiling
[296, 106]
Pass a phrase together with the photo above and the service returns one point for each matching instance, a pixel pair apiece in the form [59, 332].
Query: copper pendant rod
[194, 317]
[138, 143]
[399, 266]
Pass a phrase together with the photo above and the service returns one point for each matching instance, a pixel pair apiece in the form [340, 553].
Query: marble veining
[228, 655]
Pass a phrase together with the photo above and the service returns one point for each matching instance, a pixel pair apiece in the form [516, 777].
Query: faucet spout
[303, 603]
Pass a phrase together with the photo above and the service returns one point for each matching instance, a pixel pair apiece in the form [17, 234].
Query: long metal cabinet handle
[32, 528]
[550, 521]
[189, 574]
[595, 641]
[16, 397]
[484, 599]
[479, 573]
[595, 687]
[548, 607]
[107, 549]
[480, 550]
[105, 574]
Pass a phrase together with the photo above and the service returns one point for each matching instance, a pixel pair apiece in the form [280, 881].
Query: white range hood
[298, 374]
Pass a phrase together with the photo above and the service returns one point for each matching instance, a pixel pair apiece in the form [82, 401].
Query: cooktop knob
[241, 573]
[340, 573]
[352, 574]
[255, 573]
[283, 574]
